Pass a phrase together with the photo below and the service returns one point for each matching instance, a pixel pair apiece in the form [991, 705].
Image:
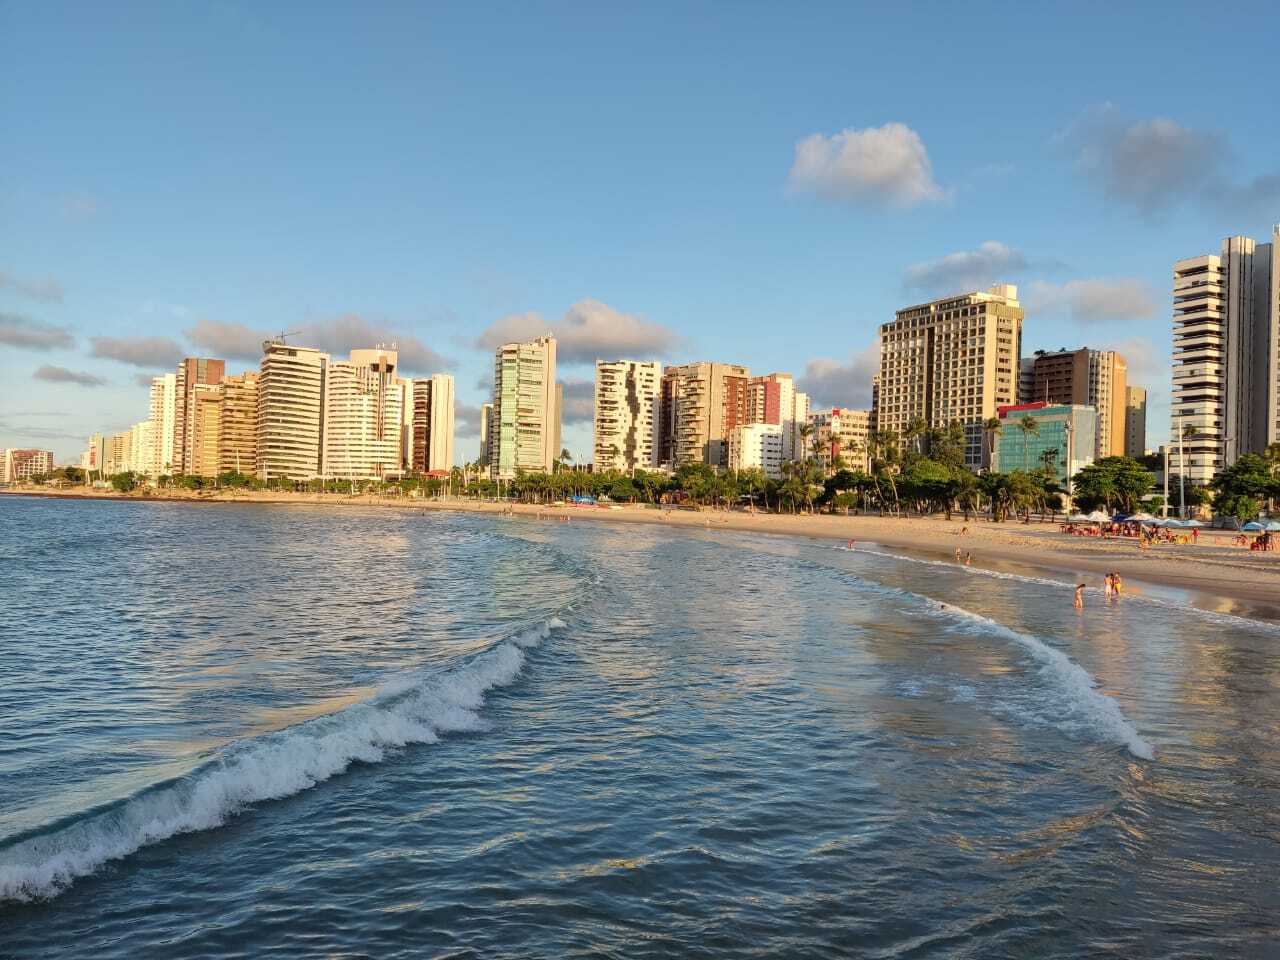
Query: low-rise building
[19, 464]
[1069, 431]
[842, 433]
[760, 446]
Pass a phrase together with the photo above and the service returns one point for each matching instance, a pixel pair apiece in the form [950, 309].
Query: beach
[1215, 569]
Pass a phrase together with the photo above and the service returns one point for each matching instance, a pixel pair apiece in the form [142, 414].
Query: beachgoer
[963, 531]
[958, 555]
[850, 544]
[1106, 586]
[1079, 603]
[968, 559]
[1116, 585]
[1195, 535]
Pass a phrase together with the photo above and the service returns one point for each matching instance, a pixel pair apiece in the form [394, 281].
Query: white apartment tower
[773, 398]
[760, 446]
[1226, 356]
[164, 412]
[362, 416]
[431, 424]
[627, 400]
[951, 359]
[291, 408]
[525, 422]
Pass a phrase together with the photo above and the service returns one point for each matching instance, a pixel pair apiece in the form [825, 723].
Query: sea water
[308, 731]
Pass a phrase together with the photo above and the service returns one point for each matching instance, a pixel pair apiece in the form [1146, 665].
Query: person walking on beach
[958, 558]
[1079, 603]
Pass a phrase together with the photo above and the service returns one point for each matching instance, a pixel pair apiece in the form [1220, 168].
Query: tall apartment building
[431, 424]
[1094, 378]
[1026, 379]
[117, 456]
[363, 410]
[94, 457]
[773, 398]
[759, 446]
[238, 435]
[164, 412]
[486, 418]
[1135, 422]
[525, 428]
[291, 408]
[1226, 356]
[18, 464]
[141, 458]
[203, 431]
[627, 412]
[701, 405]
[193, 372]
[842, 433]
[951, 359]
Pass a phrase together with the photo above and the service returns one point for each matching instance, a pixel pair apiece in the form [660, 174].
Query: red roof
[1015, 407]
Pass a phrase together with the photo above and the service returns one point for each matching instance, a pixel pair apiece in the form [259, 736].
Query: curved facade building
[291, 386]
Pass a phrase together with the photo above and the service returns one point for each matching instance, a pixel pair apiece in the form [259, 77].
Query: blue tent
[1253, 526]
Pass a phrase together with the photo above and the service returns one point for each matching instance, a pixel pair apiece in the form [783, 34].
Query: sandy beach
[1219, 574]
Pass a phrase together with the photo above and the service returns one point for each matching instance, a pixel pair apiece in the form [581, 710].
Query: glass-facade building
[1056, 426]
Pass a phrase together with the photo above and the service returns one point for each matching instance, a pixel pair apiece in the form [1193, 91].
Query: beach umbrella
[1078, 518]
[1253, 526]
[1192, 523]
[1273, 526]
[1142, 517]
[1098, 517]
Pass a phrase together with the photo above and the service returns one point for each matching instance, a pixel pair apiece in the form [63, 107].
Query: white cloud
[466, 420]
[832, 383]
[886, 165]
[966, 270]
[579, 402]
[228, 341]
[1094, 300]
[589, 330]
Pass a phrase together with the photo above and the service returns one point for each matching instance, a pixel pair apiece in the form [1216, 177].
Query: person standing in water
[1116, 585]
[1106, 586]
[1079, 596]
[968, 559]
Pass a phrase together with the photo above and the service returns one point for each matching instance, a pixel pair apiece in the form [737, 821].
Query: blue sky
[744, 182]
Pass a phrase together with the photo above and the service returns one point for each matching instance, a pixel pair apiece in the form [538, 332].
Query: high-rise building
[1226, 356]
[701, 404]
[141, 457]
[1069, 431]
[94, 459]
[1095, 378]
[1026, 379]
[362, 416]
[432, 424]
[203, 432]
[951, 359]
[238, 440]
[164, 411]
[759, 446]
[773, 398]
[117, 458]
[842, 433]
[291, 406]
[192, 372]
[486, 418]
[627, 401]
[524, 429]
[1135, 422]
[18, 464]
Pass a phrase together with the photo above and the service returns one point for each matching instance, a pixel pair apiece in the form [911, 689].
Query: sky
[752, 183]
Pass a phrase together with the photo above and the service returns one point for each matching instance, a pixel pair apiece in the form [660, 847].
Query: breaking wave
[408, 710]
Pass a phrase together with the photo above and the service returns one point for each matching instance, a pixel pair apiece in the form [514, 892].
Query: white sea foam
[407, 710]
[1130, 598]
[1100, 711]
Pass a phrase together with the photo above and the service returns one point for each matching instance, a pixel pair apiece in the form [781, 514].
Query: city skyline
[844, 206]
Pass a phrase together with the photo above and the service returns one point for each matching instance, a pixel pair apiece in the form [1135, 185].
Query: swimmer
[1079, 596]
[850, 547]
[968, 559]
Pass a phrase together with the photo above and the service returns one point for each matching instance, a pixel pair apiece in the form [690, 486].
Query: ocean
[296, 731]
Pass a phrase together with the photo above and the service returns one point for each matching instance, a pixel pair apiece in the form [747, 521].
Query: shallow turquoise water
[291, 731]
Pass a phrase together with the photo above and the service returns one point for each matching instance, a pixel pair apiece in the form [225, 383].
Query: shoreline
[1216, 575]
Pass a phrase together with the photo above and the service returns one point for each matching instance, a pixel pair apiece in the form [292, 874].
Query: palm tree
[916, 429]
[992, 428]
[1030, 427]
[806, 431]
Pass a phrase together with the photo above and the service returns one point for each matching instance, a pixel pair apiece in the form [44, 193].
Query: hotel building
[701, 405]
[1095, 378]
[627, 410]
[1226, 356]
[526, 421]
[291, 408]
[363, 410]
[951, 359]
